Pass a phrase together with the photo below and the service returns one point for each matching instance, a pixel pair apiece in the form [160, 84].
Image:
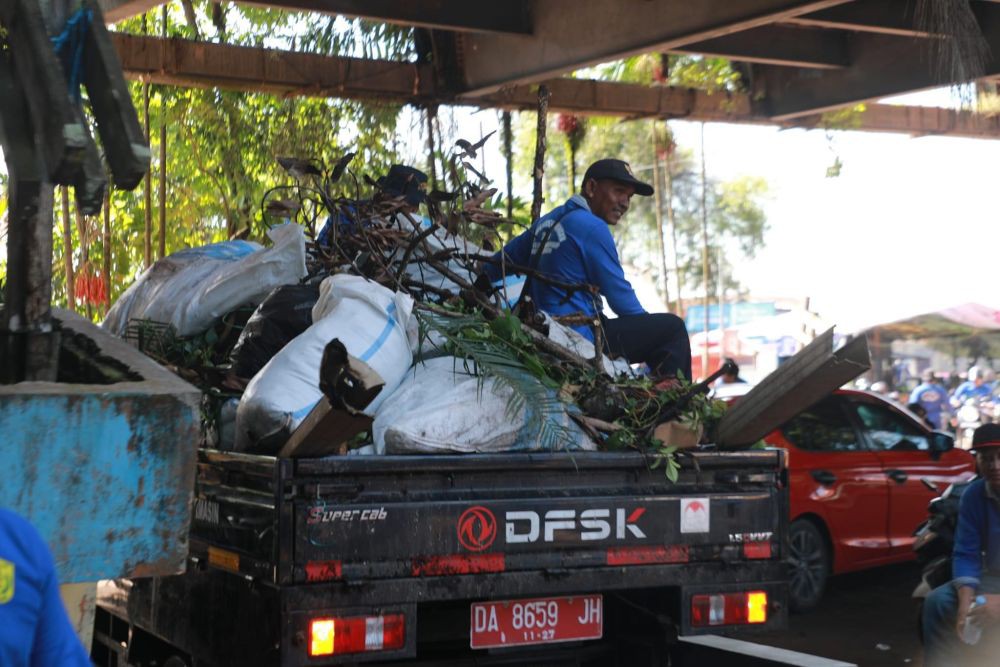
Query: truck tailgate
[468, 516]
[365, 518]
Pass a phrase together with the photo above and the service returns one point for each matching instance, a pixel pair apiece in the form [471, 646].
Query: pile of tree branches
[378, 237]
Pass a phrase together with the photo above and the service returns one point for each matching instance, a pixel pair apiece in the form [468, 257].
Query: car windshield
[888, 430]
[822, 428]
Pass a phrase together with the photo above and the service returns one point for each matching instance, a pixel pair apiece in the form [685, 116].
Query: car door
[835, 476]
[903, 445]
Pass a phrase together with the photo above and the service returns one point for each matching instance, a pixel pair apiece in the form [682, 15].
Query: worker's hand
[965, 596]
[988, 613]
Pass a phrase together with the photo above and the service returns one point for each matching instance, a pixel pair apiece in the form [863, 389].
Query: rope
[69, 47]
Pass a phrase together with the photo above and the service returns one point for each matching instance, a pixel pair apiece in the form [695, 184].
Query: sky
[908, 227]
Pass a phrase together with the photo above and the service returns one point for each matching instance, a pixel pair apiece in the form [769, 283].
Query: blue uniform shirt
[34, 628]
[580, 249]
[968, 389]
[934, 400]
[977, 538]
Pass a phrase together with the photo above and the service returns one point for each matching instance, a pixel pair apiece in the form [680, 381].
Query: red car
[857, 465]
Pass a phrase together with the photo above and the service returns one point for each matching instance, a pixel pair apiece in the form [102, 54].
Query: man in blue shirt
[401, 182]
[974, 387]
[932, 397]
[975, 561]
[573, 244]
[34, 628]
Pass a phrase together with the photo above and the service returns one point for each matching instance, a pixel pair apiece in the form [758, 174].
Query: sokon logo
[740, 538]
[526, 526]
[477, 528]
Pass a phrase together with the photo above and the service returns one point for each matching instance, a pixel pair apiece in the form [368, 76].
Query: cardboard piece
[676, 434]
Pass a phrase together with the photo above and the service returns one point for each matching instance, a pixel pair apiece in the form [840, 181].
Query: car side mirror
[941, 442]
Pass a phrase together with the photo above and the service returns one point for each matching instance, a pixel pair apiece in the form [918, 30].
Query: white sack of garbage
[575, 342]
[437, 242]
[192, 288]
[370, 321]
[442, 408]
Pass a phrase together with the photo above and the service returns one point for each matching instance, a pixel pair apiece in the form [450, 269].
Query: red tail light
[756, 550]
[337, 636]
[729, 609]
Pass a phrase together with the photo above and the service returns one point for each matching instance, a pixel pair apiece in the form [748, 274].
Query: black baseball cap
[403, 181]
[617, 170]
[987, 435]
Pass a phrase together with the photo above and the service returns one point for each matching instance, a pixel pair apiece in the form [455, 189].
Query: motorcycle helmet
[987, 435]
[974, 373]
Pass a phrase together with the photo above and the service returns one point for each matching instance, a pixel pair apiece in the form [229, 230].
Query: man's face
[608, 199]
[989, 466]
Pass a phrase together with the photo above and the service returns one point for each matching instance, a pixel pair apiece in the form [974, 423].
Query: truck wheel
[810, 561]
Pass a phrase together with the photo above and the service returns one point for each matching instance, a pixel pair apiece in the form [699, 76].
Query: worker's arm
[965, 597]
[55, 642]
[604, 269]
[966, 562]
[517, 251]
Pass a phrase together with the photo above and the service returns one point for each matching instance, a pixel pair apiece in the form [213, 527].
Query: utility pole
[163, 156]
[659, 216]
[704, 250]
[671, 222]
[722, 306]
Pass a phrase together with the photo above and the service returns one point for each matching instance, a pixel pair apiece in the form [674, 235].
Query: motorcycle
[934, 540]
[972, 414]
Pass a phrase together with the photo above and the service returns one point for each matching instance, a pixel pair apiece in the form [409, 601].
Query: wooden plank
[815, 372]
[349, 385]
[189, 63]
[325, 431]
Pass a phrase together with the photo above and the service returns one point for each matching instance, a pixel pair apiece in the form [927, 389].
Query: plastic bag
[190, 289]
[575, 342]
[283, 315]
[439, 407]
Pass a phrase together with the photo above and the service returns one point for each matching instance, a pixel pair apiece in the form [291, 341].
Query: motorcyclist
[975, 562]
[974, 387]
[933, 398]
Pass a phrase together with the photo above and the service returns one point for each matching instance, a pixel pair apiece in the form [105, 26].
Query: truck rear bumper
[263, 619]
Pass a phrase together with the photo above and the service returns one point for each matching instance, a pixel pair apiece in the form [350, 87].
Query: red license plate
[536, 621]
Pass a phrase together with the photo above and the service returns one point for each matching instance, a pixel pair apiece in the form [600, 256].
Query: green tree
[737, 223]
[222, 145]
